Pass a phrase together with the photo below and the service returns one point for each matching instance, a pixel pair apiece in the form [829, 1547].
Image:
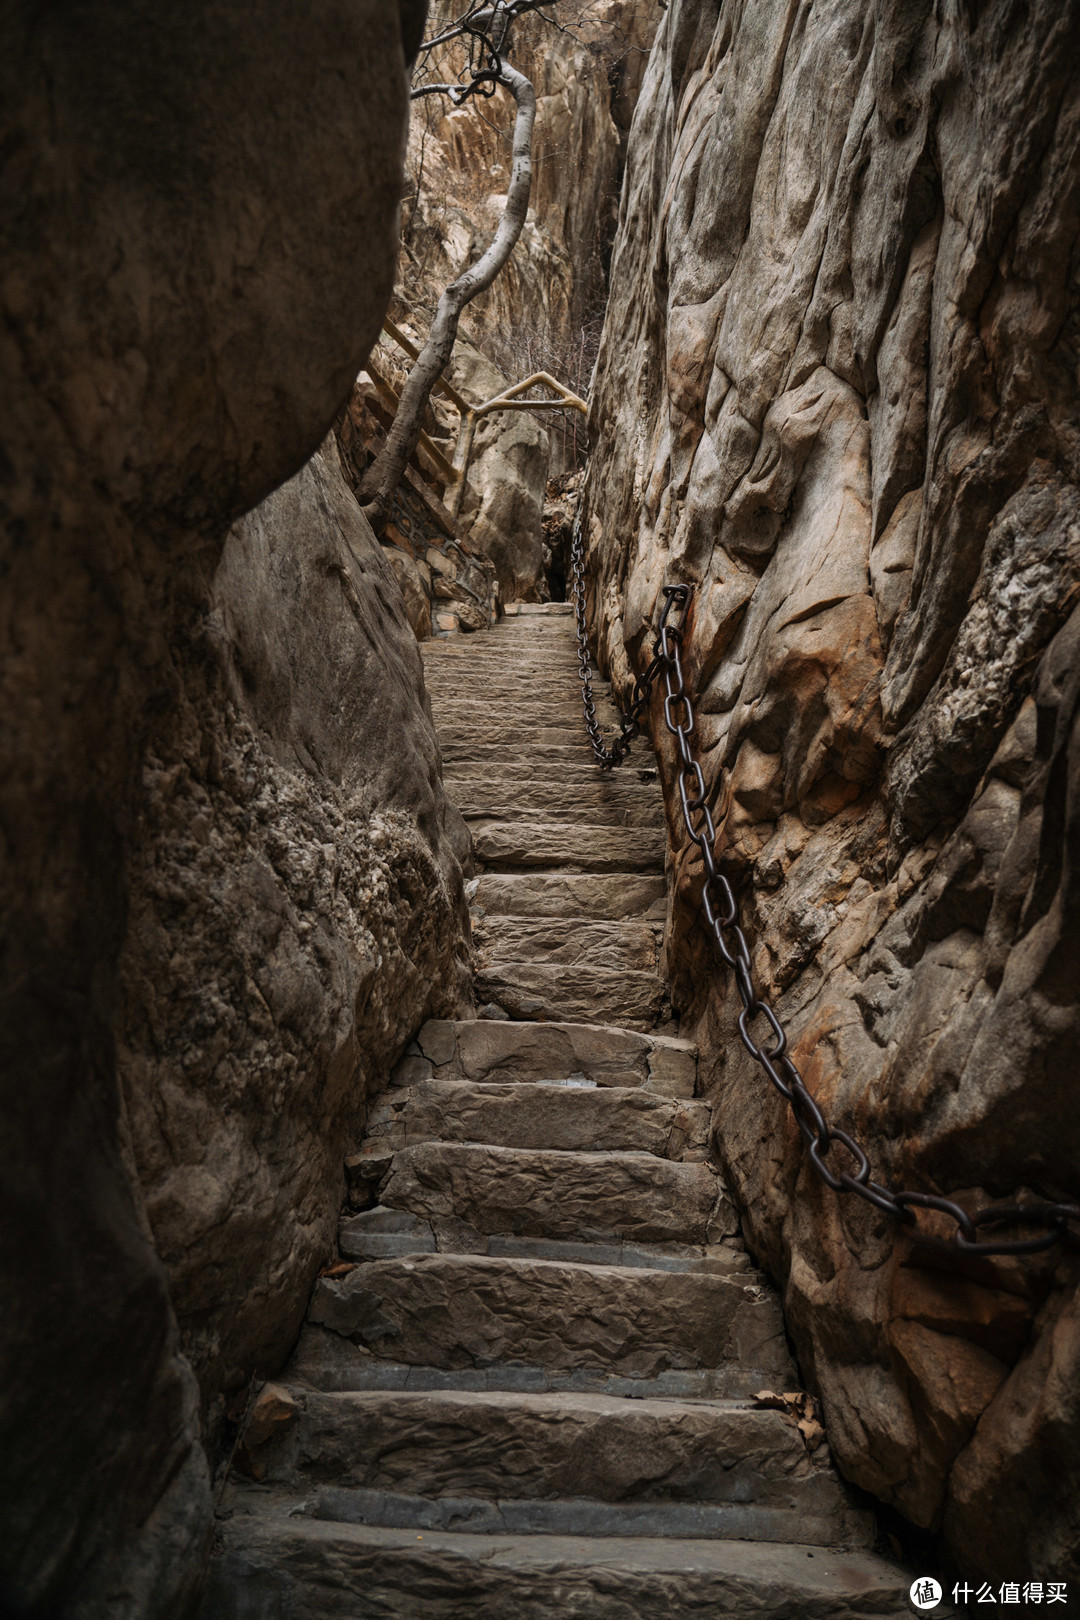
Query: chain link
[606, 758]
[721, 913]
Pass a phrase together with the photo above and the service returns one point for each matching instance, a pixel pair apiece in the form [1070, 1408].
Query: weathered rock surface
[848, 418]
[556, 1193]
[503, 504]
[296, 911]
[192, 277]
[606, 1118]
[307, 1570]
[483, 1049]
[569, 895]
[450, 1443]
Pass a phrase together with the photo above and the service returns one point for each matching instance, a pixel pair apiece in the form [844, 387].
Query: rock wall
[192, 279]
[296, 912]
[586, 76]
[454, 571]
[541, 313]
[837, 392]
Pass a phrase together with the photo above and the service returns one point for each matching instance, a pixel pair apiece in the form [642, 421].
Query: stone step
[580, 1516]
[496, 715]
[533, 637]
[549, 757]
[583, 1118]
[453, 733]
[384, 1234]
[326, 1360]
[540, 1448]
[459, 1311]
[495, 720]
[623, 946]
[586, 782]
[556, 678]
[514, 678]
[509, 1051]
[545, 1192]
[280, 1565]
[536, 990]
[550, 652]
[600, 897]
[639, 778]
[570, 845]
[467, 708]
[598, 802]
[485, 805]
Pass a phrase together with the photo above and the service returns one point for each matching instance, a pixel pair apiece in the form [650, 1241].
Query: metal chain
[606, 758]
[722, 918]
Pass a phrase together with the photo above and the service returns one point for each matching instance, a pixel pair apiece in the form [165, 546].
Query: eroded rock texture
[296, 912]
[193, 276]
[838, 393]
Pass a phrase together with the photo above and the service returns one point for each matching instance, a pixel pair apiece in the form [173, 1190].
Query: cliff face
[296, 913]
[586, 74]
[542, 312]
[837, 392]
[192, 279]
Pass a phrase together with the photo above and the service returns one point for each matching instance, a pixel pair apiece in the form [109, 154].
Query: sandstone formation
[837, 393]
[192, 279]
[503, 505]
[296, 912]
[542, 313]
[586, 74]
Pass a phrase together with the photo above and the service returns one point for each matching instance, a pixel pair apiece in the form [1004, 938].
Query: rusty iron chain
[606, 758]
[721, 913]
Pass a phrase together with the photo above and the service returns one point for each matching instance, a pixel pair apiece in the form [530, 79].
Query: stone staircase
[530, 1397]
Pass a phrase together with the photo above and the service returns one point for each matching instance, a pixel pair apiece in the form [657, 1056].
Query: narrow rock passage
[530, 1398]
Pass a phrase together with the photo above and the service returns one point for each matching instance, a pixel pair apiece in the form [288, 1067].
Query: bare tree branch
[385, 472]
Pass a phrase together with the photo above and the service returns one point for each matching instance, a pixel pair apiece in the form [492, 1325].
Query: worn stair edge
[554, 753]
[638, 774]
[469, 1310]
[426, 1237]
[570, 895]
[584, 1117]
[554, 1193]
[325, 1360]
[584, 1516]
[549, 1447]
[483, 808]
[510, 1050]
[562, 991]
[279, 1566]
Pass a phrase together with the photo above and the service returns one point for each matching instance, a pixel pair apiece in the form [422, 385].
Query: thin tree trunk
[385, 473]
